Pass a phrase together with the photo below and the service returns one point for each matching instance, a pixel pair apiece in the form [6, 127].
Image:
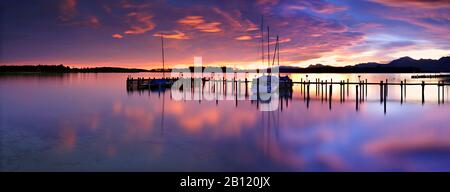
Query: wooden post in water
[443, 92]
[340, 92]
[309, 82]
[304, 90]
[366, 89]
[246, 87]
[381, 92]
[216, 90]
[326, 90]
[386, 87]
[224, 85]
[361, 88]
[321, 90]
[236, 93]
[307, 99]
[362, 91]
[348, 88]
[233, 86]
[423, 92]
[301, 86]
[385, 99]
[405, 89]
[401, 92]
[439, 92]
[317, 87]
[257, 89]
[357, 99]
[385, 95]
[315, 80]
[343, 90]
[331, 94]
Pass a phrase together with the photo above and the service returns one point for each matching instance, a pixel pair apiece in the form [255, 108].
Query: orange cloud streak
[117, 36]
[141, 23]
[172, 35]
[199, 23]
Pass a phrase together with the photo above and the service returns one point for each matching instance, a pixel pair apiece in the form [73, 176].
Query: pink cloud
[172, 35]
[199, 23]
[436, 24]
[316, 6]
[140, 23]
[117, 36]
[427, 4]
[244, 38]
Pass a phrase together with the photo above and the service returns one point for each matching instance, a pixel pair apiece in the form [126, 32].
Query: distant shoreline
[309, 72]
[401, 65]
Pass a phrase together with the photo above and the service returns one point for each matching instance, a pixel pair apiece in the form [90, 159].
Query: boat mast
[268, 48]
[262, 41]
[275, 53]
[278, 56]
[162, 52]
[278, 52]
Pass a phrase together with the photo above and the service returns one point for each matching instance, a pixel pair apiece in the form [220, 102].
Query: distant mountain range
[66, 69]
[401, 65]
[423, 65]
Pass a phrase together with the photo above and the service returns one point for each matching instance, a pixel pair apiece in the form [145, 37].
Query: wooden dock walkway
[323, 88]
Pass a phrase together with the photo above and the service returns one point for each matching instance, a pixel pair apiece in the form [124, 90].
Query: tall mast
[268, 47]
[262, 40]
[278, 56]
[162, 52]
[275, 52]
[278, 51]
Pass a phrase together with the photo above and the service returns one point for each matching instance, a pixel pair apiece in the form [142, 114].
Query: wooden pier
[143, 83]
[434, 76]
[323, 88]
[219, 89]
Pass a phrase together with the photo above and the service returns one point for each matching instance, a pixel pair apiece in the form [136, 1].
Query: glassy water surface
[90, 122]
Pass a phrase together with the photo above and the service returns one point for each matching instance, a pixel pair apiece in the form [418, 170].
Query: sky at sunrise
[125, 33]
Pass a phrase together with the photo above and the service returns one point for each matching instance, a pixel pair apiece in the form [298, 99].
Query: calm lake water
[90, 122]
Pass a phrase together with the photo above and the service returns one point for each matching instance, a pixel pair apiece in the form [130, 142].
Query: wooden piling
[381, 92]
[366, 88]
[357, 99]
[301, 85]
[257, 89]
[236, 93]
[385, 100]
[246, 87]
[331, 95]
[326, 90]
[307, 100]
[401, 92]
[348, 88]
[423, 92]
[443, 92]
[439, 92]
[321, 90]
[405, 89]
[309, 82]
[386, 90]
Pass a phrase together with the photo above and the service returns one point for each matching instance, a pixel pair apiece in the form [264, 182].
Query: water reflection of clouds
[422, 144]
[295, 139]
[110, 131]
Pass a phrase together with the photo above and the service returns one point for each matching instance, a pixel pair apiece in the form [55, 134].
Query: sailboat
[268, 84]
[162, 83]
